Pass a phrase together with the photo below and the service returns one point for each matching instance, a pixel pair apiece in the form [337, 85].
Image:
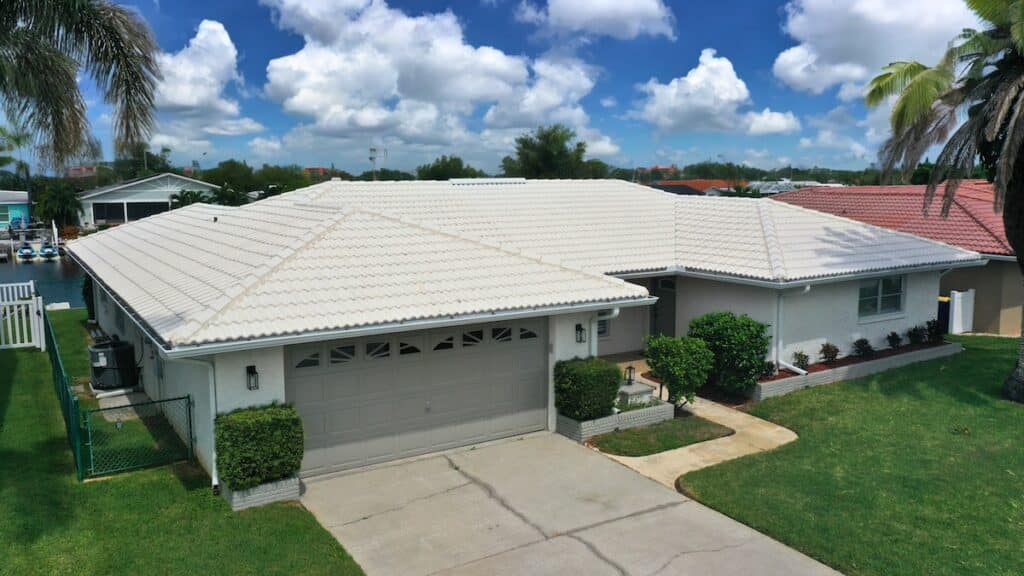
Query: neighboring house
[13, 204]
[772, 187]
[406, 317]
[972, 224]
[697, 187]
[135, 199]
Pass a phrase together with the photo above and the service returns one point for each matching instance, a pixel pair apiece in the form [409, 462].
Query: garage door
[379, 398]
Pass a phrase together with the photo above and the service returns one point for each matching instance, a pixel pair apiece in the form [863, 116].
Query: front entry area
[379, 398]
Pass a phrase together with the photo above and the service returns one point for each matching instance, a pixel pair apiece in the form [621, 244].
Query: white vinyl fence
[21, 317]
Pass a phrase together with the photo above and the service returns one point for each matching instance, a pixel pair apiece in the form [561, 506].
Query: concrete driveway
[536, 505]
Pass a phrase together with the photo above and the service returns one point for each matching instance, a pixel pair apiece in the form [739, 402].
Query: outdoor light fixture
[252, 378]
[581, 334]
[630, 374]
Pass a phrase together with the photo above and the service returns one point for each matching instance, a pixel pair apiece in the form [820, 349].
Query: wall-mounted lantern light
[252, 378]
[630, 374]
[581, 334]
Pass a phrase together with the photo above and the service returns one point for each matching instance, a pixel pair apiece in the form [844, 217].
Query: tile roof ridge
[247, 284]
[556, 262]
[773, 247]
[995, 236]
[831, 216]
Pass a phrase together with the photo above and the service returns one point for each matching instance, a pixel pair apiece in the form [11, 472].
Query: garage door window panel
[472, 338]
[343, 354]
[442, 342]
[378, 350]
[310, 360]
[501, 334]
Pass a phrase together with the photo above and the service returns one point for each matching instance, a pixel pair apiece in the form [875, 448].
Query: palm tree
[971, 103]
[186, 197]
[228, 196]
[44, 44]
[59, 202]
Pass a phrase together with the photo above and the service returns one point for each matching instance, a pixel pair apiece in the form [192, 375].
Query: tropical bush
[739, 345]
[895, 340]
[682, 364]
[828, 353]
[934, 331]
[258, 445]
[586, 389]
[801, 360]
[917, 334]
[862, 347]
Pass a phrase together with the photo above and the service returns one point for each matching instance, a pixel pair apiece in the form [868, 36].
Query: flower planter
[580, 431]
[783, 386]
[277, 491]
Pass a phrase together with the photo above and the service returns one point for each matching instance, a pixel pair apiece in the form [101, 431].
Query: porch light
[252, 378]
[581, 334]
[630, 374]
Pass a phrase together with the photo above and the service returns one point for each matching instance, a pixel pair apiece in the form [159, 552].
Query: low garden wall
[786, 385]
[580, 431]
[277, 491]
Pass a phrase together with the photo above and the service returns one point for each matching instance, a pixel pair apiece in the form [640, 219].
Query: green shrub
[801, 360]
[829, 353]
[934, 331]
[739, 344]
[682, 364]
[586, 389]
[257, 445]
[862, 347]
[917, 334]
[895, 340]
[87, 297]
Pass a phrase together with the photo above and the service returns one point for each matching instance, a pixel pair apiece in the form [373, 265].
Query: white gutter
[611, 315]
[221, 347]
[212, 380]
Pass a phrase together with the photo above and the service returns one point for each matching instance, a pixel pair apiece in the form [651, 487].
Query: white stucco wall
[192, 378]
[696, 297]
[627, 332]
[562, 345]
[232, 392]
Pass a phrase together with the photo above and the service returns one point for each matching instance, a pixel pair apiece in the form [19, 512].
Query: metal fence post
[191, 438]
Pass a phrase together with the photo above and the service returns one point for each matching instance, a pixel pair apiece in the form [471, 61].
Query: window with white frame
[880, 296]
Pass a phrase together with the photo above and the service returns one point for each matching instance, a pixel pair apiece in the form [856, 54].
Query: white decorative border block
[277, 491]
[853, 371]
[580, 431]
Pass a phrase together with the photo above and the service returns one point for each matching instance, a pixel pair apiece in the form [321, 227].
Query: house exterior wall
[232, 392]
[999, 295]
[562, 345]
[157, 190]
[13, 211]
[696, 297]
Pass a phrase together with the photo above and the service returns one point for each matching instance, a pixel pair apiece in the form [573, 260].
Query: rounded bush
[862, 347]
[829, 353]
[682, 364]
[739, 344]
[801, 360]
[586, 389]
[258, 445]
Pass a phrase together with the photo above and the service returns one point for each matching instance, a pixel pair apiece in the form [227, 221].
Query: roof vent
[485, 181]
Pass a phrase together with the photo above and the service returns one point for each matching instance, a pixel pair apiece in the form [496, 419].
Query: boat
[25, 252]
[48, 251]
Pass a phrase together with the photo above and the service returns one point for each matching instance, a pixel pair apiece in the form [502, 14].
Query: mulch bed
[716, 395]
[851, 359]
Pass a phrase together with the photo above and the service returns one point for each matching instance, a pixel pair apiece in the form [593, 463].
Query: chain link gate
[133, 436]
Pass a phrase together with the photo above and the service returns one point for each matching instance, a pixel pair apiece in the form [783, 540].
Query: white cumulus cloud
[265, 147]
[846, 43]
[708, 98]
[620, 19]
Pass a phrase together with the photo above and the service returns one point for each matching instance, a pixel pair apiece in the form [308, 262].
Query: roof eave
[190, 351]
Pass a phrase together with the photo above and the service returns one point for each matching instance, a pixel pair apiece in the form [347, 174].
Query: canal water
[57, 280]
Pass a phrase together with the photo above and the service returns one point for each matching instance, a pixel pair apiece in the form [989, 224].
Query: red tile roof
[702, 184]
[971, 224]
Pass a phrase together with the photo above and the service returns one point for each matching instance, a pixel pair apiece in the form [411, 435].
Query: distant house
[971, 224]
[697, 186]
[13, 204]
[135, 199]
[773, 187]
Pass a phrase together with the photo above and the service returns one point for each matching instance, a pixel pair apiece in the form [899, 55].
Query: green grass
[668, 435]
[72, 339]
[161, 521]
[914, 471]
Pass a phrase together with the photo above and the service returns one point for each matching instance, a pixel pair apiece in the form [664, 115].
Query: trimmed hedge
[586, 389]
[739, 344]
[258, 445]
[683, 364]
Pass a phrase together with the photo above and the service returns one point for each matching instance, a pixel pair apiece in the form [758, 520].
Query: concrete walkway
[751, 435]
[540, 505]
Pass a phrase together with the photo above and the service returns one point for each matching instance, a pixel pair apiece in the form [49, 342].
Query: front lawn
[914, 471]
[162, 521]
[676, 433]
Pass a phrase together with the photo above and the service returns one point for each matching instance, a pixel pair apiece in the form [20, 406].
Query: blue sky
[317, 82]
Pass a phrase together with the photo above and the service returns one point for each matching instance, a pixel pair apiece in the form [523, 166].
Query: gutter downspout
[212, 380]
[601, 315]
[779, 344]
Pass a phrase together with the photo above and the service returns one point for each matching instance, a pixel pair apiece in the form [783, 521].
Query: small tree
[739, 344]
[682, 364]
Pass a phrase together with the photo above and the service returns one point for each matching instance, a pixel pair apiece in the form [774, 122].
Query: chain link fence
[66, 397]
[140, 435]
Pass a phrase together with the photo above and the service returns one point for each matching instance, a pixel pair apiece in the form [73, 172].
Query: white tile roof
[342, 255]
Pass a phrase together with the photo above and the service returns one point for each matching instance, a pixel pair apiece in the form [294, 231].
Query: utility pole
[374, 154]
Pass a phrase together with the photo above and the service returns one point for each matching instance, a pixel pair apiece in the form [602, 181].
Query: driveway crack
[679, 555]
[493, 494]
[593, 550]
[406, 504]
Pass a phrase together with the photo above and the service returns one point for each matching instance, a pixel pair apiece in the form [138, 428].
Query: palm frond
[996, 12]
[892, 81]
[919, 96]
[1010, 151]
[954, 163]
[1016, 24]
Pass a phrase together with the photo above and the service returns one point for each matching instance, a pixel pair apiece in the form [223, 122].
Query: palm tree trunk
[1013, 221]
